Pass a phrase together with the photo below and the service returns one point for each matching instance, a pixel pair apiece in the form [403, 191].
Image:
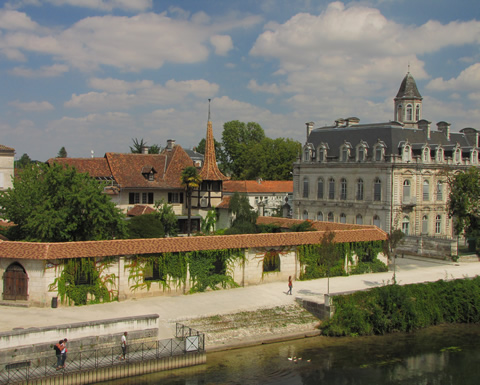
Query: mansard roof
[408, 89]
[393, 134]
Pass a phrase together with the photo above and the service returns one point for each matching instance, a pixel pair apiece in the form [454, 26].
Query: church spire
[210, 170]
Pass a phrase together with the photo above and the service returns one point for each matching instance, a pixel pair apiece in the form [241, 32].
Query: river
[440, 355]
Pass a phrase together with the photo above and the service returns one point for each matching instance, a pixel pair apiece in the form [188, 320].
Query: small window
[319, 216]
[321, 154]
[344, 154]
[153, 272]
[426, 190]
[305, 187]
[306, 156]
[438, 224]
[406, 225]
[343, 218]
[377, 190]
[417, 112]
[440, 155]
[409, 112]
[378, 153]
[343, 190]
[360, 190]
[174, 197]
[425, 225]
[426, 155]
[330, 217]
[406, 189]
[439, 191]
[320, 188]
[331, 188]
[361, 154]
[359, 219]
[133, 198]
[376, 220]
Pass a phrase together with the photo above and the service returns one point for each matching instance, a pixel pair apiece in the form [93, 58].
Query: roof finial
[408, 68]
[209, 109]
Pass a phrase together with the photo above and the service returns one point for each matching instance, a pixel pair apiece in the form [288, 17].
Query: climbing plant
[85, 280]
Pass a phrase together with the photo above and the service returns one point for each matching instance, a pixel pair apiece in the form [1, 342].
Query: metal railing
[187, 340]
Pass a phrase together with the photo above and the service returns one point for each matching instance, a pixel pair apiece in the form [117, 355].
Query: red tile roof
[253, 186]
[52, 251]
[210, 169]
[317, 225]
[140, 210]
[96, 167]
[225, 203]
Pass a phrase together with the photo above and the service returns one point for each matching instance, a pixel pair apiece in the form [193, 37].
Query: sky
[92, 75]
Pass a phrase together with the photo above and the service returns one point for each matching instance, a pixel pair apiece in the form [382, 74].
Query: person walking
[124, 345]
[64, 352]
[290, 285]
[58, 353]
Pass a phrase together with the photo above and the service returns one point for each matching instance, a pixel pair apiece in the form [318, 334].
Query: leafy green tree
[329, 254]
[58, 204]
[24, 161]
[190, 179]
[244, 215]
[237, 139]
[62, 153]
[164, 212]
[464, 203]
[138, 146]
[145, 226]
[209, 222]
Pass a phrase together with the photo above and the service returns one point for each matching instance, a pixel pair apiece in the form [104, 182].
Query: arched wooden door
[15, 283]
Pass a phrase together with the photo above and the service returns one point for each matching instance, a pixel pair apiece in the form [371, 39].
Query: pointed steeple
[408, 102]
[210, 170]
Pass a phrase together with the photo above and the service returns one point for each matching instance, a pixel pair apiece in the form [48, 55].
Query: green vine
[85, 281]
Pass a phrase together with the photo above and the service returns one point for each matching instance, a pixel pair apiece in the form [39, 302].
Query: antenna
[209, 109]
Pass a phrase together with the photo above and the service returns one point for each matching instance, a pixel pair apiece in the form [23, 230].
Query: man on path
[124, 345]
[58, 352]
[64, 352]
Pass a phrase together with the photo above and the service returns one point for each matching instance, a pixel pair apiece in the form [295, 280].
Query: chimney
[309, 128]
[445, 128]
[339, 122]
[352, 121]
[425, 126]
[170, 144]
[144, 150]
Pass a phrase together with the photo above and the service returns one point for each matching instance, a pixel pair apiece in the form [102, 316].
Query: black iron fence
[187, 340]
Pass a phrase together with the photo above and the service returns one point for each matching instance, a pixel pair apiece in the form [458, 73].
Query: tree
[209, 222]
[139, 145]
[58, 204]
[190, 179]
[245, 217]
[23, 162]
[145, 226]
[464, 203]
[62, 153]
[329, 254]
[164, 212]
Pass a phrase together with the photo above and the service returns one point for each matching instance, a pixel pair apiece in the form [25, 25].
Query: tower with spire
[408, 103]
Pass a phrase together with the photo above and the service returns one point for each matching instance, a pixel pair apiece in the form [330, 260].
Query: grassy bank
[396, 308]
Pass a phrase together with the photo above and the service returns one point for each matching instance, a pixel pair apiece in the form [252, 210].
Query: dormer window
[474, 157]
[345, 151]
[148, 173]
[458, 155]
[407, 153]
[440, 155]
[362, 151]
[426, 154]
[379, 150]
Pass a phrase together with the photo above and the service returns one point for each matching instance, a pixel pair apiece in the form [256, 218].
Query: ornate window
[406, 189]
[440, 155]
[359, 194]
[322, 153]
[409, 113]
[343, 218]
[376, 220]
[426, 190]
[425, 224]
[345, 151]
[330, 217]
[320, 188]
[406, 225]
[306, 154]
[362, 151]
[359, 219]
[438, 224]
[399, 113]
[305, 187]
[417, 112]
[426, 155]
[407, 153]
[377, 190]
[343, 189]
[439, 191]
[379, 151]
[458, 155]
[331, 188]
[319, 216]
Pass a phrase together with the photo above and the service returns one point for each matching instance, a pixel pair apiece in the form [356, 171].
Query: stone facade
[7, 155]
[392, 175]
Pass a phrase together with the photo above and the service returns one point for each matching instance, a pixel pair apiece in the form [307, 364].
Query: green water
[442, 355]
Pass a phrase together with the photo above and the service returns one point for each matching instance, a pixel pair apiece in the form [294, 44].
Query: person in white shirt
[124, 345]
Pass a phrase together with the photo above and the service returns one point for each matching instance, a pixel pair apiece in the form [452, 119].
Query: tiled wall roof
[52, 251]
[253, 186]
[317, 225]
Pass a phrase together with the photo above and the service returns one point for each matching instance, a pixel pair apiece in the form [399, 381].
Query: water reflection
[443, 355]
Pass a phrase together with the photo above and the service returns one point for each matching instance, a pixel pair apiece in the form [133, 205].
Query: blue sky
[90, 75]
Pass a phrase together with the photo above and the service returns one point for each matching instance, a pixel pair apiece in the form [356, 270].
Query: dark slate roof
[408, 89]
[393, 134]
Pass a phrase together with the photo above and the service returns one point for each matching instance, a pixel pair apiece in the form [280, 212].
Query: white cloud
[222, 43]
[106, 5]
[268, 88]
[32, 106]
[43, 72]
[14, 20]
[468, 79]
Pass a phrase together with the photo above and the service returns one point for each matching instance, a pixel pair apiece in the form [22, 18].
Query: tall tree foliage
[464, 203]
[138, 146]
[57, 204]
[23, 162]
[62, 153]
[190, 179]
[244, 216]
[164, 212]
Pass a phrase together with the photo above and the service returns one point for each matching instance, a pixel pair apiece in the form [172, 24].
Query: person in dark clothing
[58, 352]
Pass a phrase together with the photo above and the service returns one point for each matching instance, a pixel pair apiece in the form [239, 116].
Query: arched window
[343, 189]
[331, 188]
[15, 283]
[406, 154]
[345, 154]
[426, 190]
[319, 216]
[305, 215]
[305, 187]
[379, 153]
[343, 218]
[439, 191]
[426, 154]
[306, 156]
[417, 112]
[359, 219]
[361, 152]
[377, 190]
[438, 224]
[376, 220]
[322, 153]
[406, 225]
[440, 155]
[406, 189]
[330, 217]
[409, 113]
[359, 194]
[320, 188]
[425, 225]
[458, 155]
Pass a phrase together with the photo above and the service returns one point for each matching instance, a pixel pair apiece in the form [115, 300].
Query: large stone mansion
[392, 175]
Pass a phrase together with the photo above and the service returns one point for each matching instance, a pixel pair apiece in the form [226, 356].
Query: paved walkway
[170, 309]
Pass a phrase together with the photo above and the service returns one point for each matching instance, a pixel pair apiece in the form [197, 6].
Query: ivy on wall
[85, 281]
